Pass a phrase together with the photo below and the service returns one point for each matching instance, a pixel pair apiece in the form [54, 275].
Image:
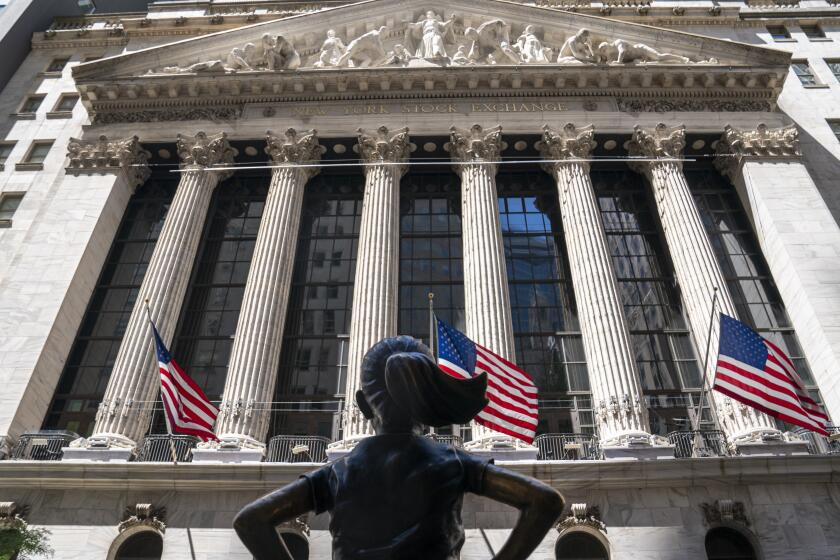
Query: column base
[502, 448]
[229, 449]
[637, 446]
[340, 449]
[104, 448]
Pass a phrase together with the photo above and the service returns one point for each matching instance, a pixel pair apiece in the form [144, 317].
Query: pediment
[378, 47]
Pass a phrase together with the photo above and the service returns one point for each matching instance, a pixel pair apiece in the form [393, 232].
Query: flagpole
[698, 414]
[432, 335]
[165, 416]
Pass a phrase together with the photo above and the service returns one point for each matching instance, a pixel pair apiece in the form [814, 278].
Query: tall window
[9, 203]
[545, 325]
[310, 381]
[204, 336]
[85, 376]
[803, 71]
[834, 66]
[778, 32]
[430, 252]
[835, 128]
[748, 278]
[665, 354]
[5, 151]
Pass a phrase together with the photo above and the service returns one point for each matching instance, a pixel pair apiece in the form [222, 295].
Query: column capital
[571, 144]
[295, 148]
[384, 146]
[108, 156]
[475, 145]
[659, 142]
[202, 151]
[737, 145]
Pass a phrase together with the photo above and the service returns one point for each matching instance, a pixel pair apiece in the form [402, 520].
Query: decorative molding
[301, 148]
[630, 105]
[206, 151]
[106, 156]
[475, 145]
[581, 515]
[661, 141]
[570, 143]
[724, 511]
[737, 145]
[215, 114]
[143, 515]
[384, 146]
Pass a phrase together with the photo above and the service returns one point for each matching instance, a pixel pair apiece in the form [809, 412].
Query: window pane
[57, 65]
[778, 32]
[812, 31]
[39, 152]
[67, 102]
[6, 150]
[31, 104]
[8, 204]
[804, 73]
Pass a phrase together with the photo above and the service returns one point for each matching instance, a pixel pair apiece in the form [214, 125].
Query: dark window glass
[310, 380]
[57, 64]
[146, 545]
[208, 318]
[38, 152]
[66, 102]
[723, 543]
[6, 150]
[813, 31]
[835, 128]
[748, 278]
[85, 376]
[665, 353]
[545, 325]
[804, 73]
[578, 545]
[31, 104]
[9, 204]
[834, 66]
[778, 32]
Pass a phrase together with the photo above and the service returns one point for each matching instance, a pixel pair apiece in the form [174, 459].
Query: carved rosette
[737, 144]
[295, 148]
[202, 151]
[567, 144]
[384, 146]
[475, 145]
[107, 156]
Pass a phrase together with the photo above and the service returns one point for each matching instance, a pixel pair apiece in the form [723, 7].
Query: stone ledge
[564, 475]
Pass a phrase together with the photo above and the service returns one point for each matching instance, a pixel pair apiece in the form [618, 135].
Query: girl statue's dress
[398, 494]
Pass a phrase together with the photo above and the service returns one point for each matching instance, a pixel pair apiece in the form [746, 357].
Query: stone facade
[560, 77]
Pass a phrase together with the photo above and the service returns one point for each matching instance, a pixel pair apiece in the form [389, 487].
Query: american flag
[756, 372]
[512, 409]
[187, 408]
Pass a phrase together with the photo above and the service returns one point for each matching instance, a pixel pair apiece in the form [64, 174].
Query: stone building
[581, 185]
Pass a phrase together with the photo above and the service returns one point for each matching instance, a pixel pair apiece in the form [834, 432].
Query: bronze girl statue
[398, 494]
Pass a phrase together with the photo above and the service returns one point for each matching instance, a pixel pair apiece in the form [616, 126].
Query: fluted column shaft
[695, 265]
[376, 287]
[252, 371]
[610, 360]
[124, 414]
[475, 153]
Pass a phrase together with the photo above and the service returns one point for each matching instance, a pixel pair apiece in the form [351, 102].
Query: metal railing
[297, 449]
[821, 445]
[448, 439]
[567, 447]
[698, 443]
[157, 448]
[42, 446]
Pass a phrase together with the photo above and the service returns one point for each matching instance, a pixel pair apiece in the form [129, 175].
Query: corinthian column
[610, 361]
[695, 265]
[123, 416]
[384, 154]
[255, 356]
[475, 156]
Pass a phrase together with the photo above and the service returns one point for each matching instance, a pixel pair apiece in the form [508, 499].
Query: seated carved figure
[621, 51]
[577, 48]
[398, 494]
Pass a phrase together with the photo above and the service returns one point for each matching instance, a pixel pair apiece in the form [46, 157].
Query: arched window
[580, 545]
[145, 545]
[723, 543]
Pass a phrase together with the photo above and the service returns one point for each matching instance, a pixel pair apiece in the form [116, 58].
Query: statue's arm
[256, 523]
[539, 507]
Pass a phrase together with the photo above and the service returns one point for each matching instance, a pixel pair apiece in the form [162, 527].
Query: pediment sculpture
[433, 41]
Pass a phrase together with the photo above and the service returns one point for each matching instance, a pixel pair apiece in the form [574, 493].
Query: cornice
[564, 475]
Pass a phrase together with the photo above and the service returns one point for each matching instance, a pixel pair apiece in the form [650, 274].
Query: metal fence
[42, 446]
[821, 445]
[567, 447]
[297, 449]
[698, 443]
[158, 448]
[448, 439]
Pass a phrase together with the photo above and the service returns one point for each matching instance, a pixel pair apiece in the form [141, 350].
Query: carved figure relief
[434, 41]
